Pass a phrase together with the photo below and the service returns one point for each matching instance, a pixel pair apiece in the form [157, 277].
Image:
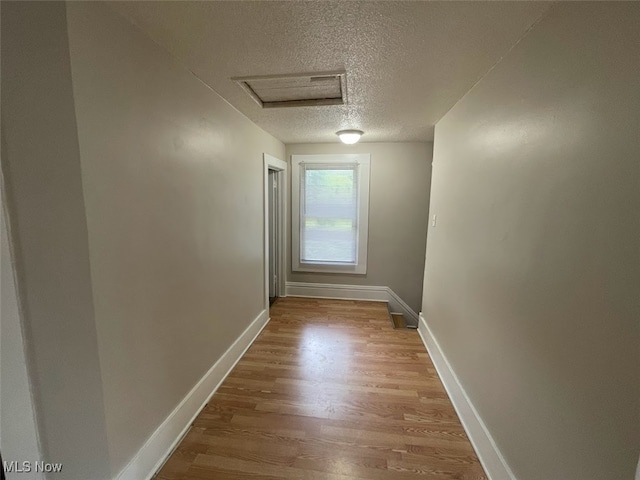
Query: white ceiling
[407, 62]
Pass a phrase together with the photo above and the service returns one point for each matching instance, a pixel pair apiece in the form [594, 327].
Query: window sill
[330, 268]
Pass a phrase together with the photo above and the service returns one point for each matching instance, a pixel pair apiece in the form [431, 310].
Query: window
[330, 200]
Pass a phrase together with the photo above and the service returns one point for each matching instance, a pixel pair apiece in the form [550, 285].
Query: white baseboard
[343, 292]
[354, 292]
[494, 464]
[164, 440]
[396, 304]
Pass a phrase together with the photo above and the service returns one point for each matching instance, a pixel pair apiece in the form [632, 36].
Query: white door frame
[280, 167]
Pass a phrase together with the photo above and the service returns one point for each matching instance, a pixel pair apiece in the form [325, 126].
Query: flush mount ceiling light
[350, 136]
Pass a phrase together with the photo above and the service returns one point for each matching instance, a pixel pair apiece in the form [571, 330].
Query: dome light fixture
[350, 136]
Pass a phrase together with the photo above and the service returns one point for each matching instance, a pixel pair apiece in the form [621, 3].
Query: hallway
[328, 391]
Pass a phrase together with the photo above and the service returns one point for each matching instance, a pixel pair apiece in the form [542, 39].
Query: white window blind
[329, 213]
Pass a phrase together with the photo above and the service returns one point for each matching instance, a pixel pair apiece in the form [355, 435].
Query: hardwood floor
[328, 391]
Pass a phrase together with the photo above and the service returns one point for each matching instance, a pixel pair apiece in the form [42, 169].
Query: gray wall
[399, 202]
[533, 271]
[135, 194]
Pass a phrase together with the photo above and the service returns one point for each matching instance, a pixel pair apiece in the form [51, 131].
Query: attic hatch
[296, 90]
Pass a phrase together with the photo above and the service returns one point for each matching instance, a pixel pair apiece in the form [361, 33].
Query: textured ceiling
[407, 63]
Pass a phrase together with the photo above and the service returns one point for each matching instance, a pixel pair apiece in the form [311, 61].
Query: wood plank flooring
[398, 320]
[328, 391]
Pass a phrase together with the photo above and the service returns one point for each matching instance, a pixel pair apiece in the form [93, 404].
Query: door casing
[280, 169]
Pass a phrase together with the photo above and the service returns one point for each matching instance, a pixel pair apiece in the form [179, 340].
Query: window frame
[363, 161]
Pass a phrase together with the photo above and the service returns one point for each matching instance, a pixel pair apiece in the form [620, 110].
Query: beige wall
[18, 433]
[136, 193]
[533, 271]
[399, 202]
[174, 198]
[41, 169]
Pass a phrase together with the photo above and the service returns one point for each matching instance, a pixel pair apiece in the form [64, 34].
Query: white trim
[396, 304]
[273, 163]
[354, 292]
[343, 292]
[363, 168]
[490, 456]
[164, 440]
